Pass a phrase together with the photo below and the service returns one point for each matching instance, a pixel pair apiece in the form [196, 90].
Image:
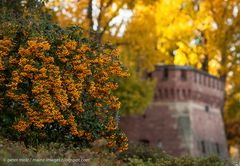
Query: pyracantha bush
[57, 85]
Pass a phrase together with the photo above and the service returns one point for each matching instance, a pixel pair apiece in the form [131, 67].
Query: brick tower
[185, 116]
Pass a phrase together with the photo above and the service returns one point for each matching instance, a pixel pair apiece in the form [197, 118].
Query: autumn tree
[139, 54]
[139, 49]
[203, 34]
[100, 17]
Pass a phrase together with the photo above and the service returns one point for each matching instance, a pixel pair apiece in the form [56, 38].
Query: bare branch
[89, 14]
[99, 19]
[118, 28]
[108, 4]
[111, 18]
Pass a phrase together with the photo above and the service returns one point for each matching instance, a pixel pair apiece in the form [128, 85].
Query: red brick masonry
[185, 116]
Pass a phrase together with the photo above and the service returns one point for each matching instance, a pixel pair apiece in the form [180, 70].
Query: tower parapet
[185, 116]
[181, 83]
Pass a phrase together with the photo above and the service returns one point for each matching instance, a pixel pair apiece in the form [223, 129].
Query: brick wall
[185, 115]
[158, 126]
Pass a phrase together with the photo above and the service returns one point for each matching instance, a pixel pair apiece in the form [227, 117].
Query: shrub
[96, 156]
[144, 153]
[57, 85]
[140, 154]
[199, 161]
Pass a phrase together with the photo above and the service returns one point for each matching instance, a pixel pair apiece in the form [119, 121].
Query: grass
[54, 154]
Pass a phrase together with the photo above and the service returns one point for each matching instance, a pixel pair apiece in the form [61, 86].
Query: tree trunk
[205, 64]
[90, 18]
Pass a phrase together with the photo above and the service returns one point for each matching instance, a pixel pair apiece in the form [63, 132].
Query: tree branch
[118, 28]
[99, 19]
[110, 19]
[108, 4]
[89, 16]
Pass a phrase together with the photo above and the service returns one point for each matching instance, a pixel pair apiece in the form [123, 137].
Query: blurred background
[202, 34]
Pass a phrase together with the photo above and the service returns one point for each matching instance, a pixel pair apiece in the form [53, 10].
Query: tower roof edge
[189, 68]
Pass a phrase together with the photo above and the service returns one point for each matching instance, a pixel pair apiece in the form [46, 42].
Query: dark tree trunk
[90, 18]
[205, 64]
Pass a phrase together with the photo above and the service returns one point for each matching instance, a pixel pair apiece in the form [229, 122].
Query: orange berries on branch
[56, 83]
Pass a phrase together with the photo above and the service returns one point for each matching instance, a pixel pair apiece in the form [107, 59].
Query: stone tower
[185, 116]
